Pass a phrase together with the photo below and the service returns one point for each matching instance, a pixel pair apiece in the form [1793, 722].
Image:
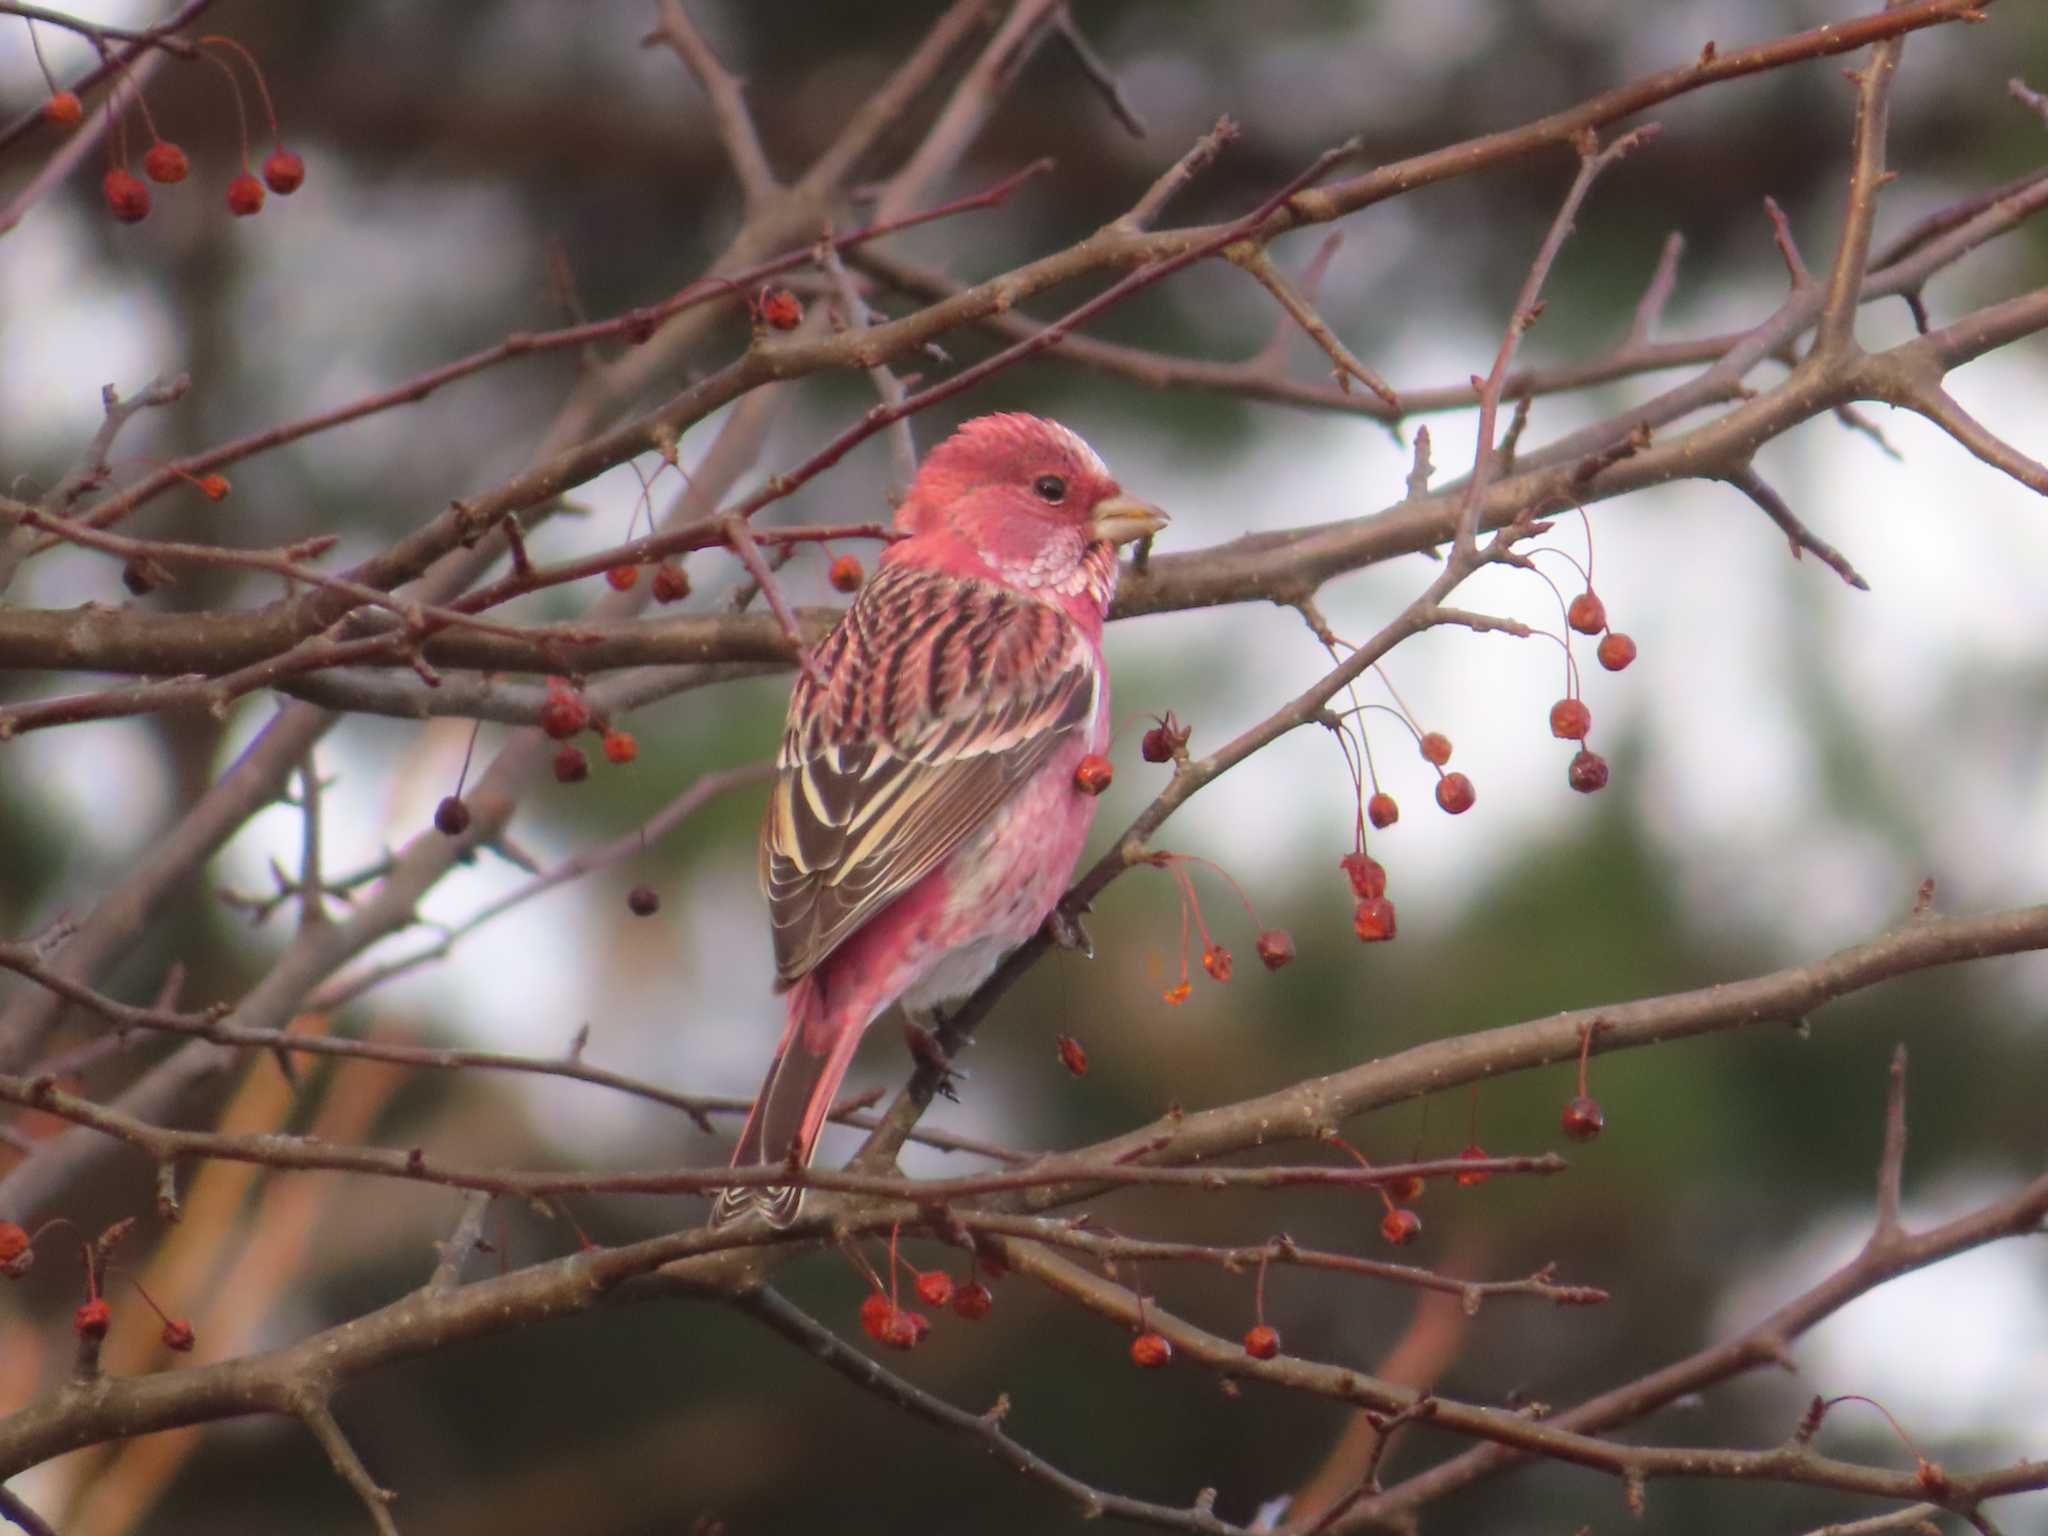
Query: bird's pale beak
[1122, 519]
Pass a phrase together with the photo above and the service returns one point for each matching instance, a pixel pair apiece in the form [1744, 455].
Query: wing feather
[943, 695]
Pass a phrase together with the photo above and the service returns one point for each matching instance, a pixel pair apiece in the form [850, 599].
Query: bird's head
[1027, 501]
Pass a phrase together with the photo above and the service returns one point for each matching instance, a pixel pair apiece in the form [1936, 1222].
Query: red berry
[1400, 1225]
[671, 582]
[972, 1301]
[1454, 792]
[127, 196]
[1262, 1342]
[1582, 1119]
[1373, 922]
[1177, 994]
[571, 766]
[13, 1241]
[1072, 1057]
[245, 196]
[1276, 948]
[178, 1335]
[1216, 961]
[623, 578]
[620, 747]
[214, 487]
[905, 1329]
[643, 901]
[91, 1320]
[1436, 748]
[1368, 876]
[64, 109]
[451, 817]
[1570, 720]
[874, 1314]
[1588, 771]
[847, 574]
[1382, 810]
[163, 161]
[565, 713]
[1093, 774]
[1407, 1188]
[1615, 650]
[778, 308]
[1165, 741]
[1587, 614]
[1151, 1350]
[1472, 1154]
[936, 1287]
[284, 171]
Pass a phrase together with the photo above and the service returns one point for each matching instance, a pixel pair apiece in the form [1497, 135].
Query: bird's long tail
[817, 1047]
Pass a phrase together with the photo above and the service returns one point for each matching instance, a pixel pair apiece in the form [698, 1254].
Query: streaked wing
[943, 695]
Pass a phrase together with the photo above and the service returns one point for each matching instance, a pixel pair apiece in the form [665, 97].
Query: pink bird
[925, 818]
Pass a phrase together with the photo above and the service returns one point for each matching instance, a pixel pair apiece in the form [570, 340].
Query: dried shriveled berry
[1588, 772]
[1276, 948]
[1382, 810]
[1373, 922]
[936, 1287]
[92, 1319]
[1165, 741]
[1262, 1341]
[875, 1312]
[1473, 1154]
[1570, 720]
[1583, 1118]
[1615, 650]
[214, 487]
[643, 901]
[451, 816]
[1400, 1225]
[127, 195]
[571, 766]
[671, 582]
[1367, 875]
[847, 574]
[1151, 1350]
[245, 196]
[1177, 994]
[778, 309]
[1436, 748]
[1072, 1056]
[1407, 1189]
[1587, 614]
[565, 713]
[178, 1335]
[164, 162]
[1093, 774]
[1217, 962]
[972, 1301]
[283, 172]
[621, 747]
[1454, 792]
[623, 578]
[64, 109]
[905, 1329]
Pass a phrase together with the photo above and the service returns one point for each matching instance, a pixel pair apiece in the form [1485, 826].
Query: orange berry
[214, 487]
[1262, 1342]
[1151, 1350]
[163, 161]
[13, 1241]
[564, 714]
[936, 1287]
[623, 578]
[245, 196]
[1400, 1225]
[1587, 614]
[64, 109]
[1407, 1189]
[1615, 650]
[1093, 774]
[1176, 995]
[1570, 720]
[1072, 1056]
[778, 309]
[847, 574]
[620, 747]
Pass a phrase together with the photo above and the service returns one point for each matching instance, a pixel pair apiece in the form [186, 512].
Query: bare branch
[735, 123]
[1773, 506]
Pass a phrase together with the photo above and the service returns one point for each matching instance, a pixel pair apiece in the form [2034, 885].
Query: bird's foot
[926, 1051]
[1065, 930]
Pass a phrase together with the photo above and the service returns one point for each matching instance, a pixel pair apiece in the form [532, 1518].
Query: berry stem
[36, 43]
[234, 89]
[262, 89]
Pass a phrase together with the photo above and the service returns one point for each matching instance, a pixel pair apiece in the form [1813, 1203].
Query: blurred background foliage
[1773, 794]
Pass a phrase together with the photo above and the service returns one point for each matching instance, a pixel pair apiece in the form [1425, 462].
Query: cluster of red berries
[1570, 719]
[1373, 918]
[775, 309]
[1454, 791]
[91, 1319]
[566, 714]
[128, 196]
[1273, 946]
[900, 1327]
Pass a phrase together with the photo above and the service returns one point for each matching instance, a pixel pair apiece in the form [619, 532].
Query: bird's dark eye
[1050, 488]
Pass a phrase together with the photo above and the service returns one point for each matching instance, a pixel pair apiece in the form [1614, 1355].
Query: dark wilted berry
[1570, 720]
[1454, 792]
[972, 1301]
[905, 1329]
[1615, 650]
[643, 901]
[178, 1335]
[1367, 875]
[1276, 948]
[451, 816]
[1408, 1188]
[571, 766]
[1165, 741]
[92, 1319]
[671, 582]
[565, 713]
[1473, 1154]
[1588, 771]
[1216, 961]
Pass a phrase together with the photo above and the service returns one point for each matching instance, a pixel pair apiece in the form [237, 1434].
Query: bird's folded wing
[943, 695]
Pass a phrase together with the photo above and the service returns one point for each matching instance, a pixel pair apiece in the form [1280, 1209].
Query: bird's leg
[1064, 929]
[922, 1029]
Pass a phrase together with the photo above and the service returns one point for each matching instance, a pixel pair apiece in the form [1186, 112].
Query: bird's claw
[1067, 932]
[931, 1056]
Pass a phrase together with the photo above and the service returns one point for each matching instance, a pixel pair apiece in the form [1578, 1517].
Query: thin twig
[1802, 538]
